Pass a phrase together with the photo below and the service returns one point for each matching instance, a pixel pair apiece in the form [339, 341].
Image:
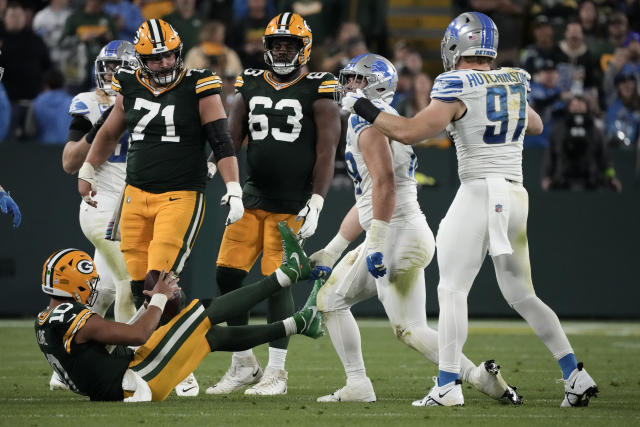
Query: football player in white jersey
[486, 113]
[399, 245]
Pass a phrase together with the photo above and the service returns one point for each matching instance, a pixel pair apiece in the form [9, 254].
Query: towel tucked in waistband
[498, 216]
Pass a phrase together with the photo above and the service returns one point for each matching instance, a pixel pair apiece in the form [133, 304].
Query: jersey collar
[277, 85]
[155, 91]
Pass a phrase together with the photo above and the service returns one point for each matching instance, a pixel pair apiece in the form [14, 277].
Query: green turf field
[610, 350]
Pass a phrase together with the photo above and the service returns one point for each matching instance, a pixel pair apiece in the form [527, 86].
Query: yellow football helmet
[154, 40]
[292, 25]
[70, 273]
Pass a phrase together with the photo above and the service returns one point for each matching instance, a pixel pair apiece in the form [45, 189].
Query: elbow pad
[219, 137]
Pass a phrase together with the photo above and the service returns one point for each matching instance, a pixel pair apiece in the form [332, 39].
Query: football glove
[87, 173]
[349, 99]
[233, 199]
[310, 213]
[8, 205]
[376, 237]
[324, 260]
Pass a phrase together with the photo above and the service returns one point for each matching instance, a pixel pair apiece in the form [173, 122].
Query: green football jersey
[87, 368]
[282, 137]
[167, 144]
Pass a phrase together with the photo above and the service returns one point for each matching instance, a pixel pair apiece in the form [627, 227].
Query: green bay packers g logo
[85, 266]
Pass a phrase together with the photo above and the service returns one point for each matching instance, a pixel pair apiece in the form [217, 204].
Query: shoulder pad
[80, 104]
[448, 86]
[357, 123]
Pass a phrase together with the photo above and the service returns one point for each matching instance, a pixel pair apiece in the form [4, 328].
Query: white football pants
[409, 249]
[114, 281]
[462, 242]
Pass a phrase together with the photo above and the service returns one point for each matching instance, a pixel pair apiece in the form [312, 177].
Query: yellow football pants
[256, 232]
[173, 351]
[158, 230]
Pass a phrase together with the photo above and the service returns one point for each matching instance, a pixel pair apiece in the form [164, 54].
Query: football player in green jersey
[293, 126]
[91, 354]
[169, 111]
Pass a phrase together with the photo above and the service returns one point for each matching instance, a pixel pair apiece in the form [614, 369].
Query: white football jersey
[489, 135]
[405, 163]
[111, 174]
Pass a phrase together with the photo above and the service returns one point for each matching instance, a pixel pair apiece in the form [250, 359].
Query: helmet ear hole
[452, 48]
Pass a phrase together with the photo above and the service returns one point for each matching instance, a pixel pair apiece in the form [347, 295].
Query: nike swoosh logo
[445, 393]
[297, 258]
[574, 384]
[171, 199]
[184, 390]
[256, 372]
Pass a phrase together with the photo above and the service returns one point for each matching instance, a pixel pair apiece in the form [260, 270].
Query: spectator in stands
[626, 59]
[25, 57]
[127, 16]
[86, 30]
[623, 115]
[212, 53]
[542, 47]
[509, 17]
[48, 117]
[578, 72]
[186, 22]
[418, 95]
[577, 157]
[48, 24]
[591, 23]
[154, 9]
[546, 98]
[245, 36]
[337, 56]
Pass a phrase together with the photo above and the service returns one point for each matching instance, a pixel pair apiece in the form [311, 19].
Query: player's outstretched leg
[245, 371]
[579, 388]
[486, 377]
[449, 394]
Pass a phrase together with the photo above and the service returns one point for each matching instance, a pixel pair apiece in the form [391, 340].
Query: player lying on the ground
[398, 247]
[74, 339]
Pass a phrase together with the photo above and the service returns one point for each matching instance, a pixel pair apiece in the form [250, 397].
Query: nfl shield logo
[498, 208]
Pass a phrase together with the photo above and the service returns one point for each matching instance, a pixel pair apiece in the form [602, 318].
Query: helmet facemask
[279, 66]
[165, 76]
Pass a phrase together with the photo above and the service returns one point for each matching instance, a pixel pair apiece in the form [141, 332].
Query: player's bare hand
[167, 285]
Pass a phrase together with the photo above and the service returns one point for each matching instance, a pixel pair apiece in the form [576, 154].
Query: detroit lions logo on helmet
[382, 68]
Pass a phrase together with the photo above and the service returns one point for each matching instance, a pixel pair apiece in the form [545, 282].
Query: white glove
[349, 99]
[211, 170]
[88, 173]
[310, 213]
[328, 256]
[233, 199]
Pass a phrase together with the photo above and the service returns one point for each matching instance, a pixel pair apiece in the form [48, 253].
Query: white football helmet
[469, 34]
[118, 52]
[380, 74]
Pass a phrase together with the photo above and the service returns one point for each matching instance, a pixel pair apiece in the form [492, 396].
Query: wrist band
[365, 109]
[158, 300]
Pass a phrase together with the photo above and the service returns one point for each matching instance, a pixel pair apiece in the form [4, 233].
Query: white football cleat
[579, 388]
[55, 383]
[243, 371]
[273, 382]
[448, 395]
[188, 387]
[486, 377]
[360, 390]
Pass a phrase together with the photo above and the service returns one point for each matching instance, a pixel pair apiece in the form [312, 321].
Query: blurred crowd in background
[583, 57]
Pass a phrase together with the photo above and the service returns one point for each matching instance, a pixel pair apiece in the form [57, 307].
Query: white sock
[283, 279]
[243, 353]
[277, 357]
[345, 336]
[290, 326]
